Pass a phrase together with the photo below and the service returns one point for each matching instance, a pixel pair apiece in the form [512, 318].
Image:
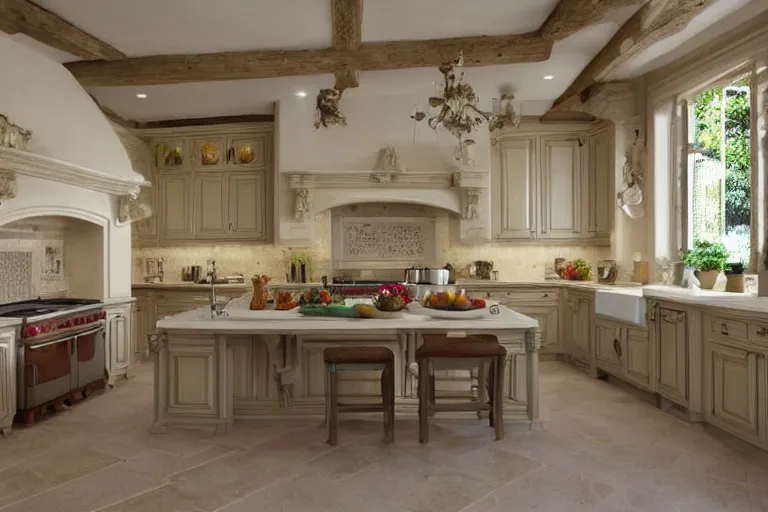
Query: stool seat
[358, 355]
[458, 348]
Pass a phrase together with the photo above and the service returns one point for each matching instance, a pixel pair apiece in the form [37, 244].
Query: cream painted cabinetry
[625, 352]
[737, 376]
[672, 339]
[118, 340]
[560, 197]
[7, 379]
[541, 304]
[515, 192]
[553, 182]
[600, 183]
[211, 184]
[577, 326]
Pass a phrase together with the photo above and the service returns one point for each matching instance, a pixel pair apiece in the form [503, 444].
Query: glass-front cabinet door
[246, 150]
[209, 152]
[171, 154]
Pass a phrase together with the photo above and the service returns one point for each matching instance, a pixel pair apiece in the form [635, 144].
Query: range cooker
[60, 351]
[357, 288]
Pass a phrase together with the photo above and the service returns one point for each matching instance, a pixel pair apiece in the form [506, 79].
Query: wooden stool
[474, 351]
[357, 359]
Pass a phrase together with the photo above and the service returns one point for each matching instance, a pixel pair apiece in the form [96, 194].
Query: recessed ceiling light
[301, 94]
[548, 77]
[141, 95]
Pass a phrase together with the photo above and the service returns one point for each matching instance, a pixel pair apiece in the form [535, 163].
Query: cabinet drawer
[758, 333]
[728, 329]
[519, 296]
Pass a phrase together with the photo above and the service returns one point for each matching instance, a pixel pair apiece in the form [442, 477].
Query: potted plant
[708, 258]
[734, 273]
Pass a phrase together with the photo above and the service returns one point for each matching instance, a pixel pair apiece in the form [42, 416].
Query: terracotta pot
[734, 283]
[707, 278]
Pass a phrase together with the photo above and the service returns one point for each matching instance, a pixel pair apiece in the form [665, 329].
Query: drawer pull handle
[545, 295]
[617, 347]
[763, 331]
[724, 329]
[488, 295]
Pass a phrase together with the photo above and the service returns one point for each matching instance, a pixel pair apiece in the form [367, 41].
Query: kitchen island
[256, 364]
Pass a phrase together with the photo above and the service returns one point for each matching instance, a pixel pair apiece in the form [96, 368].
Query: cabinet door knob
[545, 295]
[488, 295]
[230, 226]
[724, 329]
[763, 331]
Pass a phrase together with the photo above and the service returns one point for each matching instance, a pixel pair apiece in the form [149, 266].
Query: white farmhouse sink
[621, 304]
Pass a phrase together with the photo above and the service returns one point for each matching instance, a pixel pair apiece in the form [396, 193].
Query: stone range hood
[462, 192]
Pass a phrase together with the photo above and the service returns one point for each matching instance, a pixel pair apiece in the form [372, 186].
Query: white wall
[372, 123]
[42, 96]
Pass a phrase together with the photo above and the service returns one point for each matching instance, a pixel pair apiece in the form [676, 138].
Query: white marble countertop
[271, 322]
[9, 322]
[707, 298]
[219, 286]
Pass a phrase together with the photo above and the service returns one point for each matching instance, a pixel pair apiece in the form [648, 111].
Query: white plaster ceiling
[147, 27]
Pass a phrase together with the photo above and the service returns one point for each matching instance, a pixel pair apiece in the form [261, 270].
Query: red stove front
[59, 358]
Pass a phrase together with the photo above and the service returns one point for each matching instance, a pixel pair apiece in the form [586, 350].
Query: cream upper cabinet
[600, 184]
[247, 197]
[672, 355]
[560, 187]
[210, 206]
[175, 209]
[7, 380]
[515, 190]
[553, 182]
[210, 185]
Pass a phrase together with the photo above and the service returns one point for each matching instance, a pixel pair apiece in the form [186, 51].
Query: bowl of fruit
[454, 304]
[285, 301]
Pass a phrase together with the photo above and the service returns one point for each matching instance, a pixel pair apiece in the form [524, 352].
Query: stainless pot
[423, 275]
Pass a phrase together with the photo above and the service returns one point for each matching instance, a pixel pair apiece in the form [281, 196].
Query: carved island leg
[532, 347]
[225, 385]
[158, 346]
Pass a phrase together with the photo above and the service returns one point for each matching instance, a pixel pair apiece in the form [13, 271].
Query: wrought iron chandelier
[458, 111]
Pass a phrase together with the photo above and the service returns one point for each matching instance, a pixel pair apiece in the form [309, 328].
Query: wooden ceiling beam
[174, 69]
[48, 28]
[654, 22]
[571, 16]
[347, 35]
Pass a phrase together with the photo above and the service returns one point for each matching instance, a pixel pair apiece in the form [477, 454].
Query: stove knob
[79, 320]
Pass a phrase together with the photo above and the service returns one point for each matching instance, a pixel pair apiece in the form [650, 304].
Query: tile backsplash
[513, 261]
[25, 269]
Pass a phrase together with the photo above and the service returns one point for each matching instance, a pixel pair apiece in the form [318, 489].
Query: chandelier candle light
[458, 111]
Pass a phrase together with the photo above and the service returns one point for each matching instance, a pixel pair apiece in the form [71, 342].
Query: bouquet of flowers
[392, 297]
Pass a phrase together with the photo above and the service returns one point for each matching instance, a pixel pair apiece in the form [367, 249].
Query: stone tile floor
[602, 450]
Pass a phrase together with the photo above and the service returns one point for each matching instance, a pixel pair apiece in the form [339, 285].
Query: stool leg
[424, 401]
[492, 392]
[432, 394]
[388, 394]
[498, 397]
[333, 420]
[481, 390]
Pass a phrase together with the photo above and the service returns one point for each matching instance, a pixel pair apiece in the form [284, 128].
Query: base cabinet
[577, 327]
[672, 339]
[624, 351]
[118, 345]
[735, 390]
[7, 380]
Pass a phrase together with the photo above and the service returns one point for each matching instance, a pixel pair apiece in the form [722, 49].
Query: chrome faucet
[215, 310]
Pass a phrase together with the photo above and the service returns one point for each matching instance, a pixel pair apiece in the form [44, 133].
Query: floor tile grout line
[48, 489]
[165, 484]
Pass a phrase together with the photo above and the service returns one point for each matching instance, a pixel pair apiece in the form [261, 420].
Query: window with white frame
[719, 167]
